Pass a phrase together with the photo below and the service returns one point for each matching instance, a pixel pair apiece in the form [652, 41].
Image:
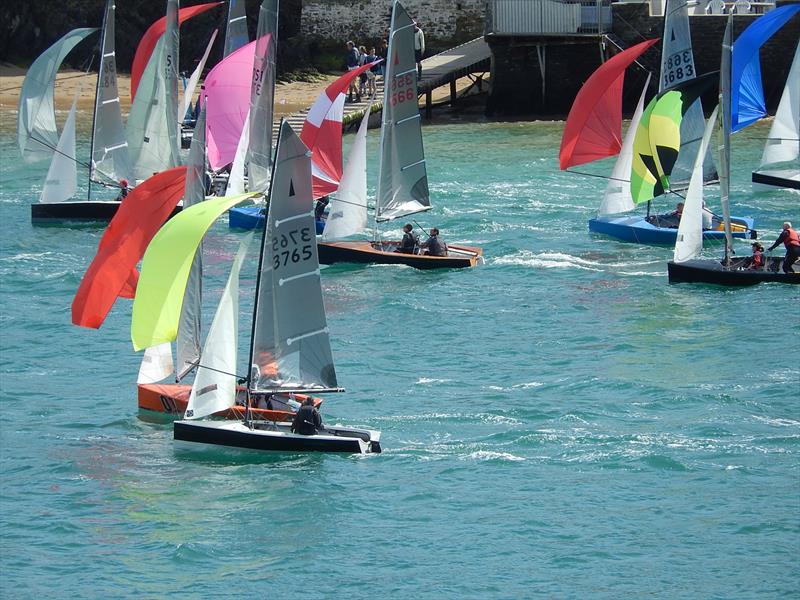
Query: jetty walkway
[471, 59]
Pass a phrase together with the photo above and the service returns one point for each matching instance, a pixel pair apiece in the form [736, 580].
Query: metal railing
[547, 17]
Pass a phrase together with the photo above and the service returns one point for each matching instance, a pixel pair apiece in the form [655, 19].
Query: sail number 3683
[402, 89]
[291, 247]
[679, 67]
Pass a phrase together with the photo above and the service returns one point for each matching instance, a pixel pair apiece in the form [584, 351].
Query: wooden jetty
[471, 59]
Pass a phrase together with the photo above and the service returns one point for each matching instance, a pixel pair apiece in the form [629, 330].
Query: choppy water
[559, 422]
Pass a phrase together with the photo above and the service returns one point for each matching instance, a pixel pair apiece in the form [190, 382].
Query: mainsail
[290, 348]
[109, 154]
[402, 175]
[36, 117]
[236, 34]
[262, 93]
[677, 67]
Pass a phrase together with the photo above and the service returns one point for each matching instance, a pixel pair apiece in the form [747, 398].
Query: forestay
[36, 118]
[402, 175]
[110, 161]
[290, 348]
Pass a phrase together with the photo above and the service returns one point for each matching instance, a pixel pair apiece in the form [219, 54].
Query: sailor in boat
[757, 260]
[410, 242]
[307, 421]
[791, 241]
[434, 245]
[123, 190]
[319, 208]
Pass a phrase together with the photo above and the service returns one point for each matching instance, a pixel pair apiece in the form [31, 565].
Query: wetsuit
[307, 420]
[791, 241]
[409, 243]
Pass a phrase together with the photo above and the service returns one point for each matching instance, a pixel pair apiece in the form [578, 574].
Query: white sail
[290, 349]
[677, 66]
[214, 387]
[152, 130]
[191, 85]
[347, 213]
[236, 183]
[156, 364]
[36, 117]
[262, 93]
[187, 344]
[689, 242]
[402, 176]
[236, 32]
[617, 198]
[783, 143]
[110, 161]
[62, 176]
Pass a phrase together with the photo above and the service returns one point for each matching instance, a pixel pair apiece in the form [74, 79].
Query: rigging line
[598, 176]
[636, 31]
[421, 227]
[57, 151]
[200, 366]
[66, 78]
[636, 62]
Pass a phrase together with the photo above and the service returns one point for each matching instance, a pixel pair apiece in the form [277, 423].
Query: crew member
[307, 421]
[410, 242]
[791, 241]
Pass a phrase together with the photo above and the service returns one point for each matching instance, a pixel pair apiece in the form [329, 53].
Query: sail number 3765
[291, 247]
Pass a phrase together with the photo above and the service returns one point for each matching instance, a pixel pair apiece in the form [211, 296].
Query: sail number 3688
[679, 67]
[290, 247]
[398, 93]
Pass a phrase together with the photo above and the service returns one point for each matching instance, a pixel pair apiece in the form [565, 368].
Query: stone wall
[446, 23]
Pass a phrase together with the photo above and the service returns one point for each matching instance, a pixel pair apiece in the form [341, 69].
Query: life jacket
[304, 421]
[758, 259]
[792, 239]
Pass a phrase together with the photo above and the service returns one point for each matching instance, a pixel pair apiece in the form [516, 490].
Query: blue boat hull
[251, 217]
[638, 230]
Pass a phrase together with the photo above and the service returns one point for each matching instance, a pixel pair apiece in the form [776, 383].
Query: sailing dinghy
[686, 267]
[109, 152]
[402, 175]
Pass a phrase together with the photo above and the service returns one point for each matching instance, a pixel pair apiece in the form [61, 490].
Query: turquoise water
[559, 422]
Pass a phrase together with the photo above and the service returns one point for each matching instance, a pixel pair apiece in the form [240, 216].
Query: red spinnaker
[594, 125]
[150, 38]
[113, 270]
[322, 133]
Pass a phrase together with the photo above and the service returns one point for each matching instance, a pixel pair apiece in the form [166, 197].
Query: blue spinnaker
[747, 93]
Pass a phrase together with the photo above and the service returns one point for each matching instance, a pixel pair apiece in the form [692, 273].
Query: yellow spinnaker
[165, 271]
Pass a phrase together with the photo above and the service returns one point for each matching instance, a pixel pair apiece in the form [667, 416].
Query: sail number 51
[291, 247]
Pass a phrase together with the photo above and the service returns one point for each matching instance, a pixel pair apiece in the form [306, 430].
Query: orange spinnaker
[113, 270]
[150, 38]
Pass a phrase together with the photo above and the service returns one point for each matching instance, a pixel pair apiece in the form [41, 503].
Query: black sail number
[292, 246]
[679, 66]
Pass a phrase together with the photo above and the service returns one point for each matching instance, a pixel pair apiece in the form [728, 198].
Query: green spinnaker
[645, 182]
[165, 271]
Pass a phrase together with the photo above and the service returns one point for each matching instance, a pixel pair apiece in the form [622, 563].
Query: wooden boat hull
[85, 211]
[276, 437]
[638, 230]
[171, 400]
[368, 252]
[252, 217]
[785, 179]
[713, 271]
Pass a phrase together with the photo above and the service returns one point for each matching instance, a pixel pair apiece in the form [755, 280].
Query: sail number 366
[402, 89]
[291, 247]
[680, 66]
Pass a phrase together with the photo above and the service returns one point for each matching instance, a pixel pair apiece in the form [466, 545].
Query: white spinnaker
[62, 176]
[689, 242]
[347, 213]
[617, 198]
[236, 177]
[783, 143]
[214, 387]
[156, 364]
[36, 117]
[191, 85]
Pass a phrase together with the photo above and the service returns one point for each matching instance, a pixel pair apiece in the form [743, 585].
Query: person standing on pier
[351, 62]
[419, 47]
[383, 52]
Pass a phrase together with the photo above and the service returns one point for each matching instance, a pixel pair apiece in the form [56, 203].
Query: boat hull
[637, 229]
[276, 438]
[787, 179]
[85, 211]
[171, 400]
[368, 252]
[252, 217]
[714, 272]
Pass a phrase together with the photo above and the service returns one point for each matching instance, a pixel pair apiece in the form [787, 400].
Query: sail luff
[402, 177]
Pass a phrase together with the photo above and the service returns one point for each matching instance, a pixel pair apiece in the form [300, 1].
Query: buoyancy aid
[792, 239]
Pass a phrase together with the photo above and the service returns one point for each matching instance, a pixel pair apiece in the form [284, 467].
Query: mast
[725, 136]
[109, 7]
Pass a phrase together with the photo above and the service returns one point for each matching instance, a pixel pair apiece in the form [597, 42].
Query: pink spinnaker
[322, 133]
